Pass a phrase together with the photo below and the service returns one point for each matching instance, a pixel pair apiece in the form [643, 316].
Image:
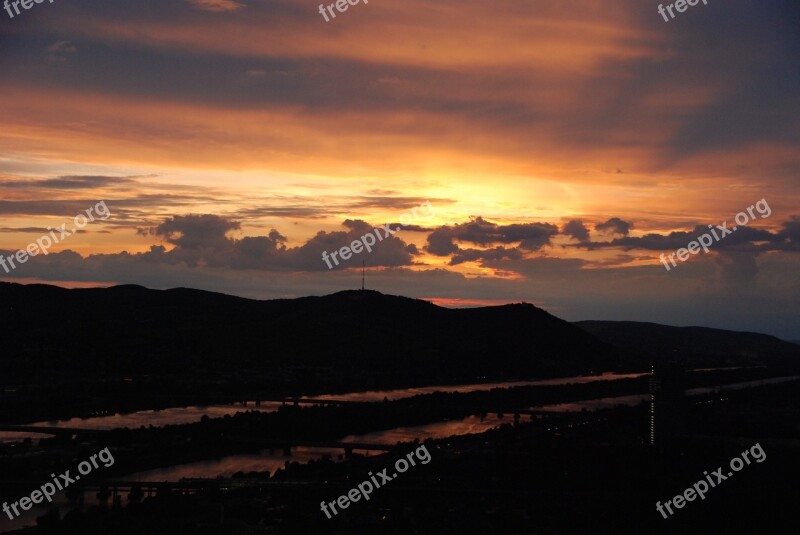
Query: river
[271, 461]
[184, 415]
[471, 424]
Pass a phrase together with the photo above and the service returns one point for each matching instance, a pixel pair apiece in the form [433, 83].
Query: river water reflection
[468, 425]
[266, 461]
[400, 393]
[184, 415]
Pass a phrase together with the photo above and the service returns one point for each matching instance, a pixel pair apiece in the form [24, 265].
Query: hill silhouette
[52, 334]
[694, 346]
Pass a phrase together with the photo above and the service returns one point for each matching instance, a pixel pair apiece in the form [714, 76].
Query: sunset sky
[562, 145]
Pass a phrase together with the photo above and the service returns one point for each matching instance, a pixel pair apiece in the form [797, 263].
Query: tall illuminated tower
[667, 402]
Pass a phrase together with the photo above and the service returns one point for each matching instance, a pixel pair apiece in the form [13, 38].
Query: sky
[553, 151]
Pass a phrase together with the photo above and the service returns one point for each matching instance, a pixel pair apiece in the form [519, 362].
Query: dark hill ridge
[695, 346]
[51, 333]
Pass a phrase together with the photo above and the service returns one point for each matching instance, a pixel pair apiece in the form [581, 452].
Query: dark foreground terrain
[87, 352]
[564, 474]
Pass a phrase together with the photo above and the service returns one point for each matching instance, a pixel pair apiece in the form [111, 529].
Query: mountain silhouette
[51, 333]
[694, 346]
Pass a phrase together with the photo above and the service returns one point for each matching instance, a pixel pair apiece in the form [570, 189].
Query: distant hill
[696, 346]
[50, 334]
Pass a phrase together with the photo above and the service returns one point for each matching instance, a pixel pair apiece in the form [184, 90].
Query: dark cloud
[311, 208]
[737, 252]
[26, 230]
[743, 239]
[652, 241]
[69, 182]
[440, 242]
[498, 253]
[146, 203]
[87, 181]
[397, 203]
[576, 230]
[742, 236]
[202, 240]
[389, 251]
[530, 236]
[791, 230]
[615, 225]
[196, 231]
[45, 207]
